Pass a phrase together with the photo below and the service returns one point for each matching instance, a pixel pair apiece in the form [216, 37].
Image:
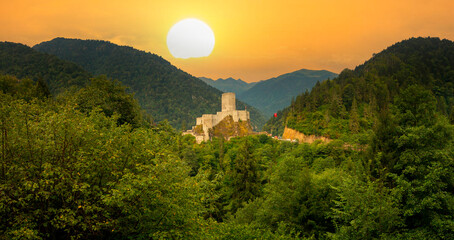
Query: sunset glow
[255, 40]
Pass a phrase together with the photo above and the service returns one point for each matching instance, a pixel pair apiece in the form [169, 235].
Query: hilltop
[350, 105]
[22, 61]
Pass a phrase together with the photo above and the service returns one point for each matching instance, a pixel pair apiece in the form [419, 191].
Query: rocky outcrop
[228, 128]
[204, 128]
[301, 137]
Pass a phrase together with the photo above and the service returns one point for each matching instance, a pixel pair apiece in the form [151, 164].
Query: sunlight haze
[255, 40]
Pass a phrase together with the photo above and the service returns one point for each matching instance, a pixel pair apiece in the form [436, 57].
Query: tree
[295, 198]
[112, 98]
[424, 171]
[348, 94]
[243, 176]
[337, 108]
[365, 210]
[354, 118]
[155, 201]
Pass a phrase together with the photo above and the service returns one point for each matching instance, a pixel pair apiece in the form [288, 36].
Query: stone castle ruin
[227, 123]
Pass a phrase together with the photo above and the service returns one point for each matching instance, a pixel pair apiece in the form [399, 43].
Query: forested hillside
[349, 106]
[274, 94]
[73, 168]
[23, 62]
[161, 89]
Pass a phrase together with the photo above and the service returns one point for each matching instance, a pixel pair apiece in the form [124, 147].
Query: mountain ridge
[162, 89]
[22, 61]
[230, 84]
[276, 93]
[352, 102]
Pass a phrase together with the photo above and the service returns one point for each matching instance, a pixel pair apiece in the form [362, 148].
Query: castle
[208, 121]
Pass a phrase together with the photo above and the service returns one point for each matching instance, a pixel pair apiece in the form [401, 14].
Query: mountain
[22, 61]
[237, 86]
[161, 89]
[274, 94]
[352, 103]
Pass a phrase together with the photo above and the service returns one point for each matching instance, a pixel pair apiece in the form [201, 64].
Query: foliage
[24, 89]
[111, 98]
[365, 210]
[69, 170]
[64, 174]
[328, 108]
[24, 62]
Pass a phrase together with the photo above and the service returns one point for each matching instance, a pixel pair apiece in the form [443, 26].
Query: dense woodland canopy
[23, 62]
[72, 168]
[161, 89]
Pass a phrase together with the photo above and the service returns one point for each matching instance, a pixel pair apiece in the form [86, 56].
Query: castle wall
[208, 121]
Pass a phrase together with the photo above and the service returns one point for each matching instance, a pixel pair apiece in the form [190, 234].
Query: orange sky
[255, 39]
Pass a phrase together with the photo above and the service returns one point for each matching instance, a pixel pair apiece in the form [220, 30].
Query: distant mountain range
[237, 86]
[272, 95]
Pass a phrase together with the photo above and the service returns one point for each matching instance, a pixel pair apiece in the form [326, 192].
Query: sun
[190, 38]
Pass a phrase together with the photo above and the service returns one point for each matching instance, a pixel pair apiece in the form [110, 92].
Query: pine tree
[337, 108]
[354, 118]
[245, 181]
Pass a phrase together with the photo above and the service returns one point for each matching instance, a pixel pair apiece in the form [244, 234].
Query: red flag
[275, 114]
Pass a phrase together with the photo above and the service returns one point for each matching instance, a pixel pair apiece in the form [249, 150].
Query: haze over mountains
[237, 86]
[162, 90]
[272, 95]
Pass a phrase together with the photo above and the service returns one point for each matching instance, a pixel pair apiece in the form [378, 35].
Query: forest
[348, 106]
[87, 163]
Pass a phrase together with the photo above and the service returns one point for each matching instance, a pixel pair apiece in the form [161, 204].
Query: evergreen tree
[244, 175]
[354, 118]
[337, 108]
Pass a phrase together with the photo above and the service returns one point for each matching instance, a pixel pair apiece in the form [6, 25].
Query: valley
[92, 147]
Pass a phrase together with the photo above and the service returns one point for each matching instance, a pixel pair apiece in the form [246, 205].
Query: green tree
[424, 171]
[348, 94]
[111, 97]
[155, 201]
[354, 118]
[294, 198]
[365, 210]
[337, 108]
[243, 176]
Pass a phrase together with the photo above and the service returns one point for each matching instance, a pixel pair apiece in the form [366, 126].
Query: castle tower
[228, 102]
